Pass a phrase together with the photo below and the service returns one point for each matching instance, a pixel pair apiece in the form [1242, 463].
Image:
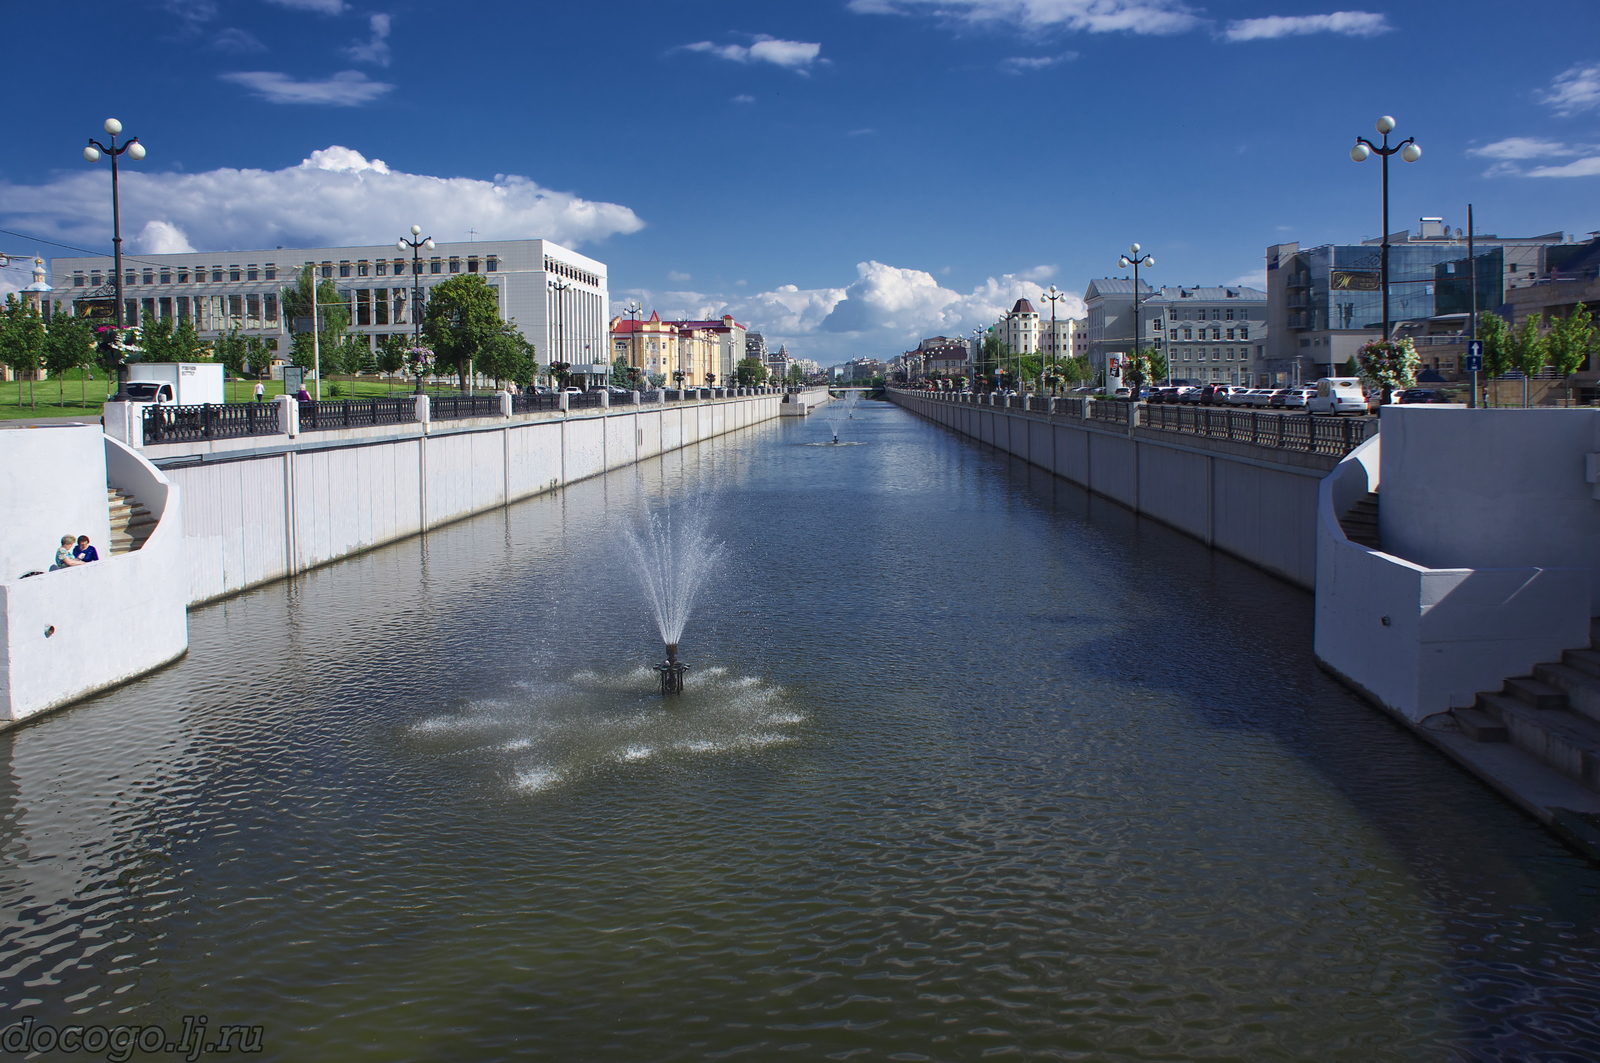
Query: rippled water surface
[970, 764]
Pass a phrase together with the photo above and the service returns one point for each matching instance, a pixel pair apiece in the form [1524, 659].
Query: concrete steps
[1553, 714]
[131, 521]
[1360, 524]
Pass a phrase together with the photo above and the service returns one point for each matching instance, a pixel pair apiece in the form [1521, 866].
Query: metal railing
[531, 402]
[459, 407]
[1337, 436]
[650, 396]
[234, 420]
[328, 415]
[583, 400]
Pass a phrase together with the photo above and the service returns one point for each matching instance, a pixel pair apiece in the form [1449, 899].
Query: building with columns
[558, 298]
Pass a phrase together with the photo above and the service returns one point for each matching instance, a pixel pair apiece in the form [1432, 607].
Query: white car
[1258, 397]
[1337, 394]
[1294, 398]
[1238, 396]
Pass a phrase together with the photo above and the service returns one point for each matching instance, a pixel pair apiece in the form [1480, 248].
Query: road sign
[1474, 360]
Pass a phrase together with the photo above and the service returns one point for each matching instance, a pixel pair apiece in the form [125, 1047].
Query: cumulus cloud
[348, 88]
[1578, 168]
[883, 311]
[336, 197]
[1575, 90]
[1522, 148]
[1023, 64]
[795, 55]
[1343, 23]
[375, 49]
[326, 7]
[1088, 16]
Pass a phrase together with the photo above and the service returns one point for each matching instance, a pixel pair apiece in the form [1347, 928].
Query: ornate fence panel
[329, 415]
[529, 402]
[457, 407]
[1290, 431]
[237, 420]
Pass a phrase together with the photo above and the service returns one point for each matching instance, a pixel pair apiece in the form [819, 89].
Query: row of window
[1217, 314]
[561, 269]
[436, 264]
[1218, 354]
[167, 275]
[1216, 333]
[215, 313]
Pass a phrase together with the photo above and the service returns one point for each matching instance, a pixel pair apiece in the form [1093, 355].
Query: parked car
[1341, 394]
[1259, 397]
[1293, 398]
[1238, 396]
[1122, 393]
[1414, 395]
[1168, 393]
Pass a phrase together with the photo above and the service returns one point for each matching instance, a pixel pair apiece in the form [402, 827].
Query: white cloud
[348, 88]
[1343, 23]
[336, 197]
[1522, 148]
[744, 99]
[375, 49]
[1589, 167]
[885, 310]
[237, 41]
[327, 7]
[1574, 90]
[1089, 16]
[796, 55]
[161, 238]
[679, 278]
[1024, 63]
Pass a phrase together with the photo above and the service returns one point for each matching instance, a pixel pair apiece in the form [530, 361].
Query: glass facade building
[1337, 287]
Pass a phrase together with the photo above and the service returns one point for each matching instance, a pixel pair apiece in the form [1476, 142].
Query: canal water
[971, 765]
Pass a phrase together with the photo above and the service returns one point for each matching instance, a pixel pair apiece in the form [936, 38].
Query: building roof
[1023, 307]
[1231, 293]
[1115, 286]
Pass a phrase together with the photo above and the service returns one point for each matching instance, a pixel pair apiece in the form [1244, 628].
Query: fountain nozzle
[672, 671]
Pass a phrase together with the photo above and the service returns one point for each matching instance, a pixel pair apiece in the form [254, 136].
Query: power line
[85, 250]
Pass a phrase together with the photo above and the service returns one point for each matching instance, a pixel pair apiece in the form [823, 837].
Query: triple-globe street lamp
[416, 242]
[1408, 150]
[1147, 261]
[1054, 296]
[135, 151]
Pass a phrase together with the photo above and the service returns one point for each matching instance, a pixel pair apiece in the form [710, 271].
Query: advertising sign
[1354, 280]
[96, 309]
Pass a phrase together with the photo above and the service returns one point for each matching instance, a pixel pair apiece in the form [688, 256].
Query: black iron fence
[328, 415]
[183, 424]
[529, 402]
[583, 400]
[458, 407]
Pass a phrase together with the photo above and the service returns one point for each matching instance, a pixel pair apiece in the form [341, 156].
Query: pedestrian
[302, 395]
[84, 551]
[64, 558]
[261, 392]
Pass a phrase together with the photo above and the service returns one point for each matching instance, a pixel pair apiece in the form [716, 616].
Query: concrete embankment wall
[253, 519]
[1257, 503]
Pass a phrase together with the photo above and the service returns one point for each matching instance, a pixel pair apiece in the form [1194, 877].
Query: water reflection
[971, 763]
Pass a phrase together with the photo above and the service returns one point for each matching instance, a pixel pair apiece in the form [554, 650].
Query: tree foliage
[69, 344]
[1571, 341]
[1496, 337]
[170, 340]
[507, 355]
[308, 299]
[1388, 364]
[232, 350]
[462, 316]
[22, 339]
[750, 373]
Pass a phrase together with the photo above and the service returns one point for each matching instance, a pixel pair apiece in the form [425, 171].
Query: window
[272, 271]
[251, 273]
[235, 310]
[269, 309]
[131, 278]
[363, 307]
[149, 277]
[472, 264]
[383, 268]
[78, 280]
[166, 276]
[1244, 334]
[183, 276]
[1230, 313]
[380, 305]
[327, 269]
[494, 263]
[1216, 334]
[216, 273]
[455, 265]
[233, 273]
[435, 265]
[183, 308]
[96, 279]
[1230, 334]
[165, 302]
[252, 311]
[1188, 333]
[1216, 354]
[149, 312]
[362, 269]
[344, 269]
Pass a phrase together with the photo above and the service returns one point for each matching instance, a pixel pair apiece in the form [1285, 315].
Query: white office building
[557, 297]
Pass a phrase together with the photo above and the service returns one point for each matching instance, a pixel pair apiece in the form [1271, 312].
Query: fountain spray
[672, 563]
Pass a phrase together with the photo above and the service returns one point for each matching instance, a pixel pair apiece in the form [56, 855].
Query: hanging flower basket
[1388, 364]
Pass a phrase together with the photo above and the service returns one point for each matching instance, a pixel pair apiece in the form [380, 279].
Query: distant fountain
[839, 411]
[672, 560]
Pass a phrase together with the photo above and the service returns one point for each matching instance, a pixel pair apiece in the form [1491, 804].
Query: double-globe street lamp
[416, 242]
[1054, 296]
[1408, 150]
[1147, 261]
[135, 151]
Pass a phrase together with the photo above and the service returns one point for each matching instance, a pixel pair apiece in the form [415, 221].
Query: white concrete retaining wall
[1421, 640]
[259, 518]
[1496, 488]
[69, 633]
[52, 483]
[1256, 503]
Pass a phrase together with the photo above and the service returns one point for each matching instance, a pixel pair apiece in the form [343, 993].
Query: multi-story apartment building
[1324, 302]
[1059, 340]
[650, 346]
[732, 344]
[1213, 335]
[558, 298]
[1109, 302]
[1019, 329]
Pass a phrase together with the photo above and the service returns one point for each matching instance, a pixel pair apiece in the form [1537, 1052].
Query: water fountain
[842, 409]
[672, 563]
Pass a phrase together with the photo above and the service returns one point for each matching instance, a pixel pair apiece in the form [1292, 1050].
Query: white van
[1338, 394]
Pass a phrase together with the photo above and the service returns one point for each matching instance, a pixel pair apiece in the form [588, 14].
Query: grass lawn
[76, 396]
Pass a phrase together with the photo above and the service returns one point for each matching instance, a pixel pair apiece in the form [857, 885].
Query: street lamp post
[633, 310]
[1054, 297]
[1408, 150]
[135, 151]
[1147, 261]
[977, 341]
[561, 288]
[416, 242]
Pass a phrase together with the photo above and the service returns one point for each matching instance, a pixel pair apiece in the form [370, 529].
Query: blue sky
[846, 175]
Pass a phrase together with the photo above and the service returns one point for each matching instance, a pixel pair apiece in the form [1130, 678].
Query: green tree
[307, 299]
[561, 372]
[1390, 365]
[391, 356]
[1571, 341]
[69, 344]
[22, 341]
[507, 355]
[1076, 368]
[1496, 337]
[620, 371]
[462, 315]
[993, 354]
[1350, 368]
[1529, 350]
[258, 357]
[797, 375]
[1158, 366]
[170, 340]
[750, 372]
[232, 350]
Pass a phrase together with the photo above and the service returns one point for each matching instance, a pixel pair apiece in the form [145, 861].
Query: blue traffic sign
[1474, 360]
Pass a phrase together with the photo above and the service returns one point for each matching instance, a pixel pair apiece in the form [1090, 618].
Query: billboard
[1354, 280]
[96, 309]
